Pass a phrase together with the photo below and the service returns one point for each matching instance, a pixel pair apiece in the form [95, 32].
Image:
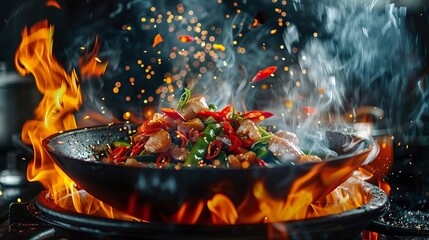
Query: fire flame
[260, 207]
[61, 98]
[91, 64]
[55, 113]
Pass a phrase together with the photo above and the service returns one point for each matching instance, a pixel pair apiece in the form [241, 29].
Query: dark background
[79, 18]
[16, 14]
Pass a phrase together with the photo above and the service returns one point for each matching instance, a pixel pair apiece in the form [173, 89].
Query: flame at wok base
[255, 208]
[353, 221]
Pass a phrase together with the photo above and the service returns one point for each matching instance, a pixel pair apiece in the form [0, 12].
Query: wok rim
[46, 144]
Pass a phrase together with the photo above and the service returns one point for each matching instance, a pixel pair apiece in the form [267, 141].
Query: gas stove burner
[401, 221]
[345, 225]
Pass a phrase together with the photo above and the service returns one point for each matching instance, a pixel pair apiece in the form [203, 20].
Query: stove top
[23, 225]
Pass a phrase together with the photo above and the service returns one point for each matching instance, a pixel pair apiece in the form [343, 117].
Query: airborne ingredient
[197, 135]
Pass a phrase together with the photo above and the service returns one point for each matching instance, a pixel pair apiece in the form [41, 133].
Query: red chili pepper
[157, 124]
[206, 114]
[149, 124]
[257, 115]
[228, 130]
[240, 150]
[137, 137]
[309, 110]
[225, 111]
[246, 143]
[117, 155]
[137, 148]
[186, 38]
[194, 135]
[261, 162]
[163, 159]
[183, 138]
[235, 143]
[151, 131]
[172, 113]
[214, 149]
[264, 73]
[143, 126]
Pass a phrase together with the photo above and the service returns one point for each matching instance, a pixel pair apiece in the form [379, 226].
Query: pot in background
[18, 99]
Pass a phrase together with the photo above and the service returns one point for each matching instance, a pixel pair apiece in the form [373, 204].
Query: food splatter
[186, 38]
[157, 40]
[260, 18]
[264, 73]
[218, 46]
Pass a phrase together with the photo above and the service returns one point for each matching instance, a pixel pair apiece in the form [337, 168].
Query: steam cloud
[333, 56]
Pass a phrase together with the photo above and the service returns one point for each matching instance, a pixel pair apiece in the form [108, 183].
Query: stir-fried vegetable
[172, 113]
[184, 98]
[199, 150]
[197, 135]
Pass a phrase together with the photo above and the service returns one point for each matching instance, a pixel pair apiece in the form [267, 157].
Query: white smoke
[363, 54]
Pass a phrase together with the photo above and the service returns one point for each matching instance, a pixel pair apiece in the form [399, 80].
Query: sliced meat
[170, 123]
[193, 106]
[248, 129]
[233, 161]
[158, 116]
[289, 136]
[195, 123]
[178, 153]
[249, 157]
[242, 160]
[158, 142]
[132, 162]
[284, 149]
[309, 158]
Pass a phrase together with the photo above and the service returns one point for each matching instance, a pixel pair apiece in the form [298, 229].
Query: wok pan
[133, 189]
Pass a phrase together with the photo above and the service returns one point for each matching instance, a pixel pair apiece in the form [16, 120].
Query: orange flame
[259, 206]
[382, 164]
[61, 98]
[91, 64]
[55, 113]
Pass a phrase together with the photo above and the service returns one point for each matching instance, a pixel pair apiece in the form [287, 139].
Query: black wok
[134, 189]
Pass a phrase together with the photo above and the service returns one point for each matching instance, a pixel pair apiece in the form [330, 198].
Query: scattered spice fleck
[157, 40]
[218, 46]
